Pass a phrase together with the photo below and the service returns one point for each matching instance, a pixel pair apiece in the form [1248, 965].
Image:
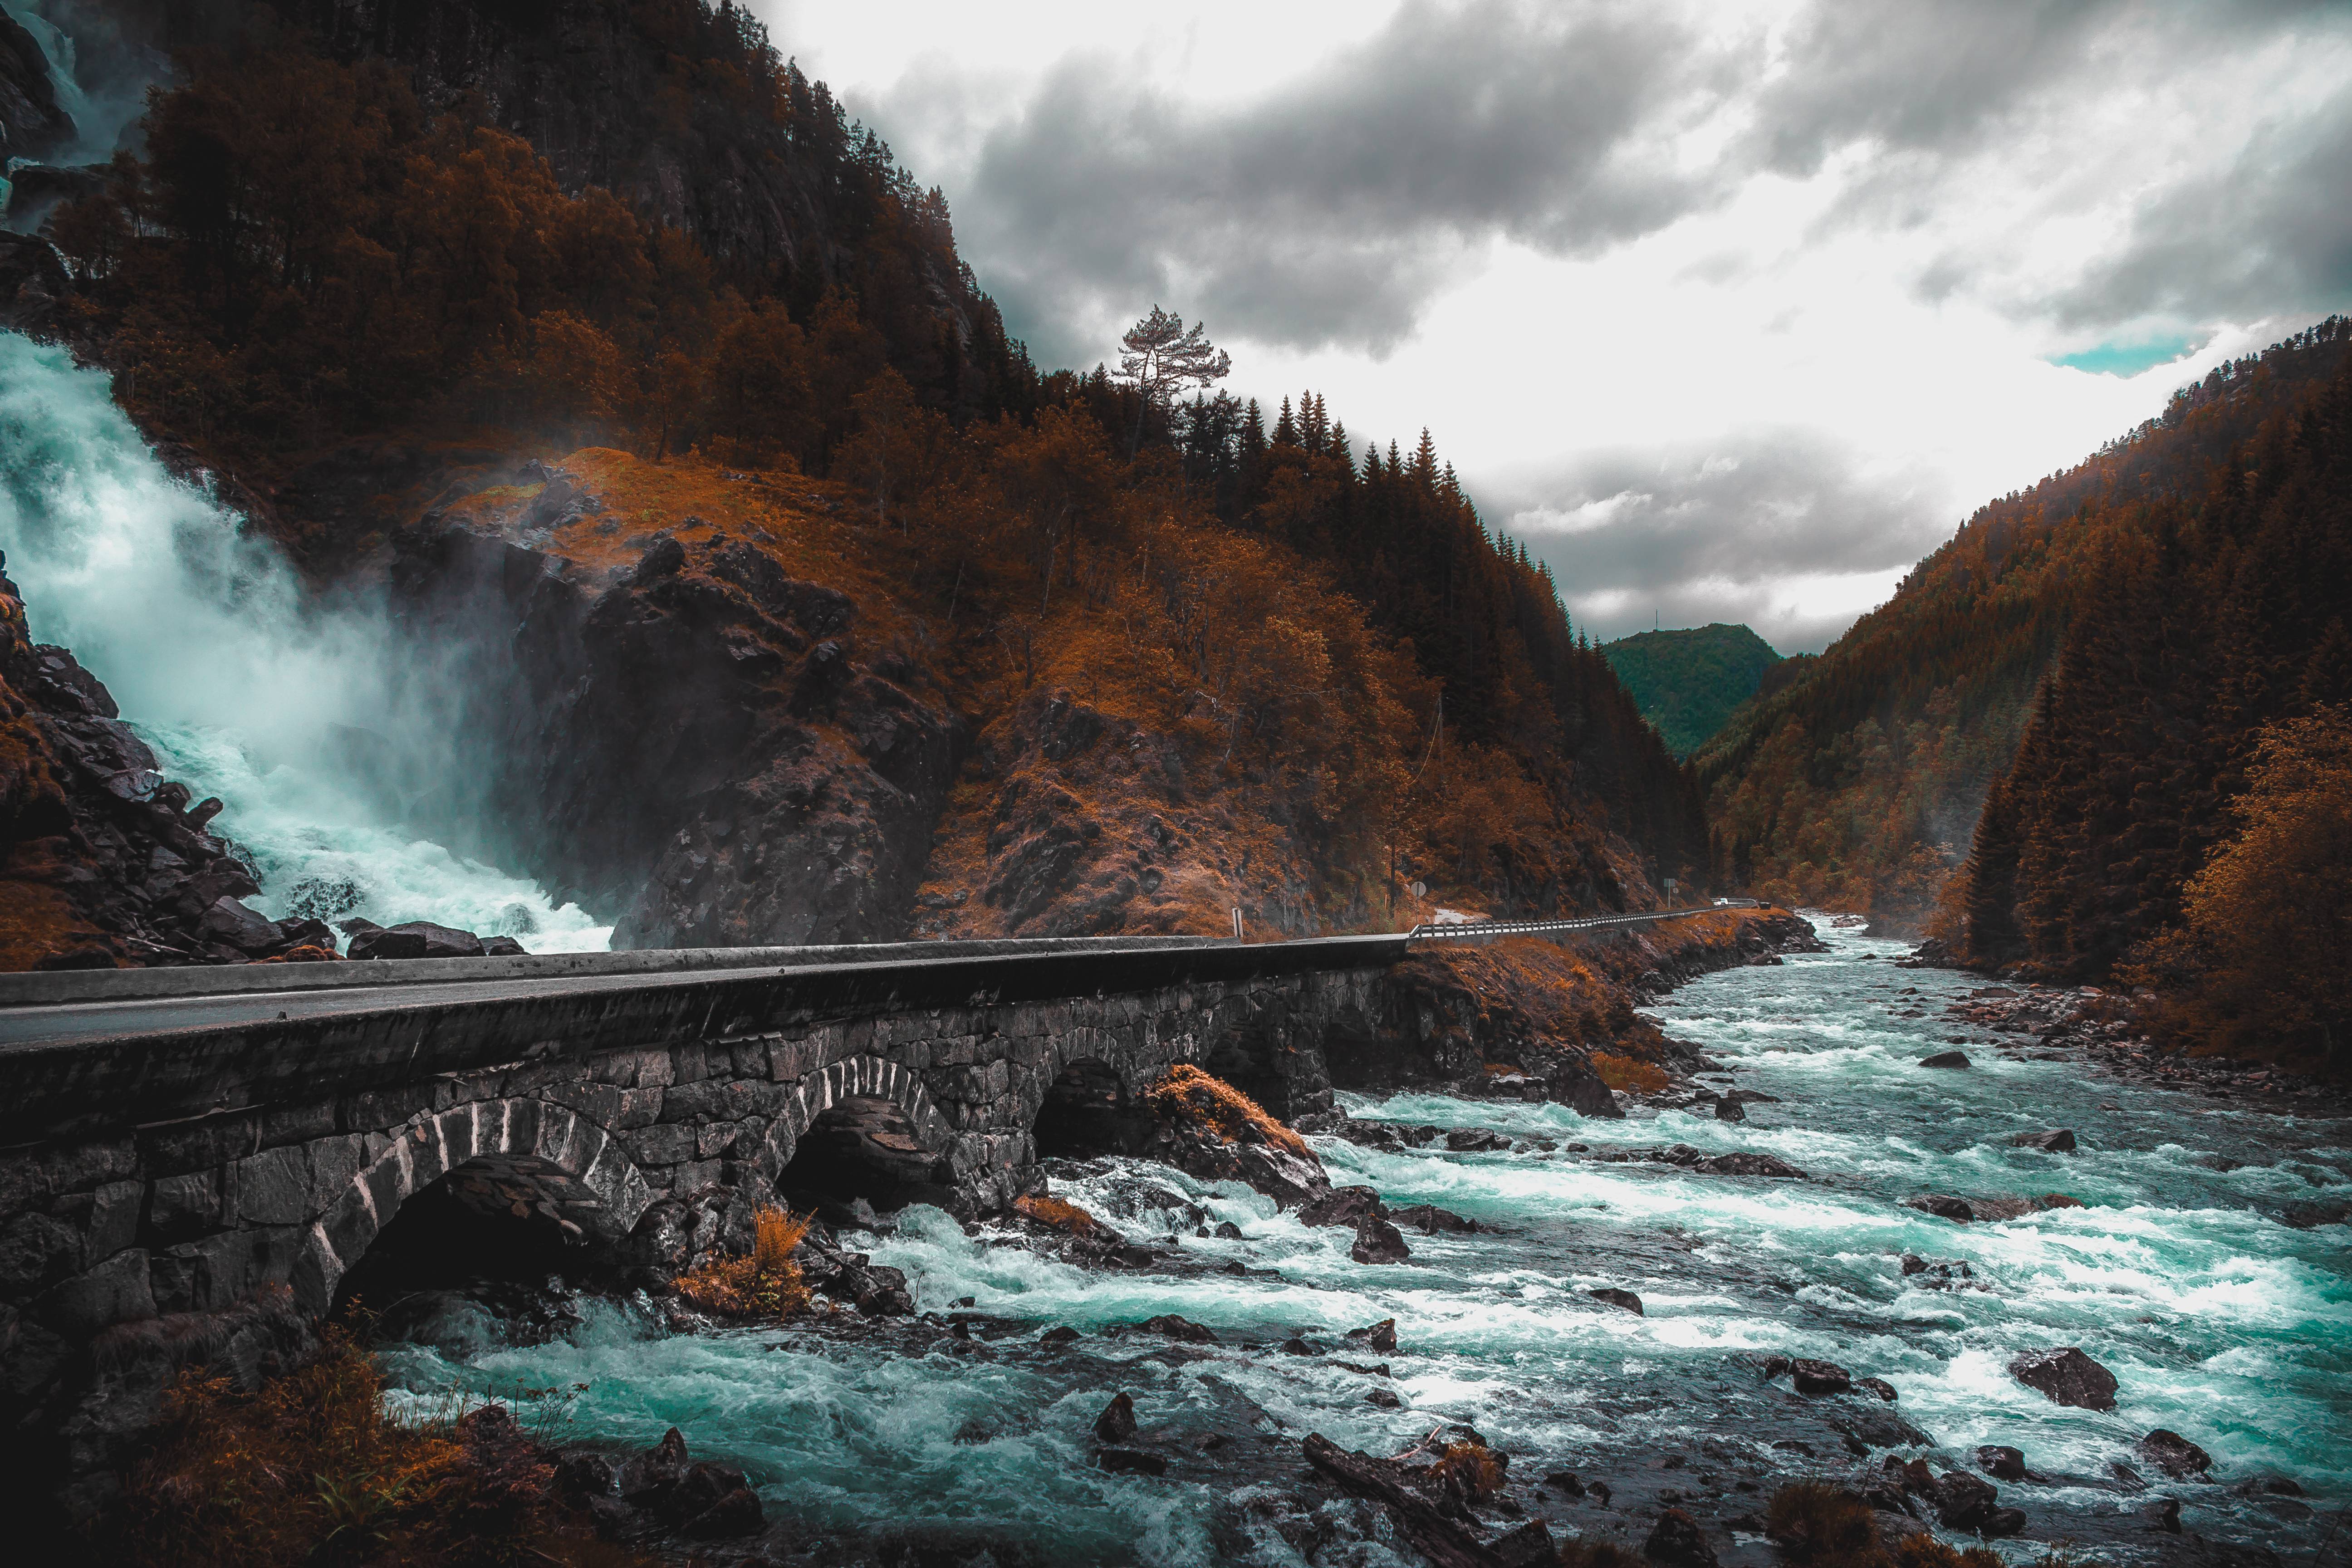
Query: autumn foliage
[764, 1286]
[311, 1472]
[1192, 1096]
[312, 256]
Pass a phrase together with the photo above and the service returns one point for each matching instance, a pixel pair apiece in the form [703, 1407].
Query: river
[2220, 1321]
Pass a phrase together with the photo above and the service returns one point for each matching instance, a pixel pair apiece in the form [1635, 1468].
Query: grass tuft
[764, 1287]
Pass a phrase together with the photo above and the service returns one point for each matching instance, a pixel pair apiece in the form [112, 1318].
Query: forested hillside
[2181, 806]
[342, 279]
[1859, 784]
[1687, 682]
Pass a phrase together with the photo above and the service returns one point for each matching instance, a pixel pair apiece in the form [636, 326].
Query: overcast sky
[1731, 311]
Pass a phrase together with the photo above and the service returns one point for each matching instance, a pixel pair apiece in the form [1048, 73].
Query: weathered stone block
[599, 1102]
[695, 1176]
[375, 1110]
[273, 1187]
[36, 1249]
[114, 1220]
[690, 1064]
[696, 1101]
[665, 1143]
[297, 1124]
[714, 1139]
[753, 1097]
[209, 1142]
[116, 1291]
[180, 1206]
[334, 1162]
[638, 1108]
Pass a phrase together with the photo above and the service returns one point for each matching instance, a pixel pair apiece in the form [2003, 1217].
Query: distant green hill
[1687, 682]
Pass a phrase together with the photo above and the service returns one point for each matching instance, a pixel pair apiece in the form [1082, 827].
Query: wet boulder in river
[1343, 1205]
[1946, 1060]
[2068, 1377]
[1429, 1219]
[2174, 1455]
[1377, 1241]
[2001, 1463]
[1381, 1336]
[1475, 1141]
[2058, 1142]
[1943, 1205]
[1175, 1328]
[1617, 1298]
[1821, 1377]
[1677, 1542]
[415, 939]
[1117, 1422]
[1729, 1111]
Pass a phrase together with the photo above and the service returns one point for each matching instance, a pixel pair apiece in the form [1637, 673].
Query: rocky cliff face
[32, 122]
[1076, 823]
[673, 727]
[102, 860]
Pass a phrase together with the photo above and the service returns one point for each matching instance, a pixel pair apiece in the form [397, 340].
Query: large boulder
[2068, 1377]
[2174, 1455]
[1209, 1129]
[415, 939]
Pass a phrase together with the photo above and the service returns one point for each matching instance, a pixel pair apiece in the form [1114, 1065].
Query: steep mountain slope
[758, 588]
[1686, 682]
[1859, 784]
[2182, 803]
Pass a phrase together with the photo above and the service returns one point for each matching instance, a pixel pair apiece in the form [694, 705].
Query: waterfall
[306, 714]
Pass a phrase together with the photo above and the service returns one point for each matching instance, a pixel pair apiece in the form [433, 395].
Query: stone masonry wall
[220, 1239]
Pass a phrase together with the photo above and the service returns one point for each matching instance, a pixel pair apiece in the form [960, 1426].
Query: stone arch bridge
[195, 1164]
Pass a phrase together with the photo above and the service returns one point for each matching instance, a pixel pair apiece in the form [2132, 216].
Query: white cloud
[1783, 281]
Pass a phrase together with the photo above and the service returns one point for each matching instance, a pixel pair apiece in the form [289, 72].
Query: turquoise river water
[2220, 1321]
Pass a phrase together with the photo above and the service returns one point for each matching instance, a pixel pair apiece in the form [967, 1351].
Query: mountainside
[747, 583]
[2181, 806]
[1687, 681]
[1858, 784]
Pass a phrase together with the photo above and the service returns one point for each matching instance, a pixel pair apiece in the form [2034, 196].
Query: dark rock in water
[712, 1503]
[2001, 1464]
[2059, 1141]
[1678, 1542]
[1821, 1377]
[1728, 1109]
[1343, 1205]
[227, 921]
[2068, 1377]
[1964, 1501]
[1878, 1385]
[1579, 1088]
[1475, 1141]
[645, 1474]
[1381, 1398]
[1377, 1241]
[1616, 1297]
[415, 939]
[1227, 1231]
[1565, 1481]
[1129, 1462]
[503, 947]
[1526, 1546]
[1746, 1162]
[580, 1477]
[1372, 1134]
[2168, 1515]
[1170, 1326]
[973, 1433]
[1946, 1060]
[2174, 1455]
[1938, 1274]
[1429, 1219]
[1061, 1334]
[1117, 1422]
[2002, 1522]
[1294, 1345]
[1943, 1205]
[1381, 1336]
[1866, 1429]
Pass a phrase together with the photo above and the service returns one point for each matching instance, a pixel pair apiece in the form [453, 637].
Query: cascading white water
[2191, 1271]
[247, 686]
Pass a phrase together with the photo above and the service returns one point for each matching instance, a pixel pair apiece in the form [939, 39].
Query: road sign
[1237, 922]
[1421, 890]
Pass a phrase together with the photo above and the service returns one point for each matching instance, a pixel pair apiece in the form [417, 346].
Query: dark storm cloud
[2271, 235]
[1329, 214]
[1713, 532]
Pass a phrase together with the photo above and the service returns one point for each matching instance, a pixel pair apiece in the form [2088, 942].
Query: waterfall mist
[322, 728]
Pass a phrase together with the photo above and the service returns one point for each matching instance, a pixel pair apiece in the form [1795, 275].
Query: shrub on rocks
[765, 1286]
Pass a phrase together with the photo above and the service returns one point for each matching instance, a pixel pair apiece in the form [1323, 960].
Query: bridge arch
[864, 1126]
[544, 1157]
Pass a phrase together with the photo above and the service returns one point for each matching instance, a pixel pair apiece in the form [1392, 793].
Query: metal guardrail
[1459, 930]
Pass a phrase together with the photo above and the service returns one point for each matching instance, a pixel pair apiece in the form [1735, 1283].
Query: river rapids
[2221, 1320]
